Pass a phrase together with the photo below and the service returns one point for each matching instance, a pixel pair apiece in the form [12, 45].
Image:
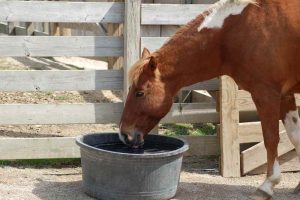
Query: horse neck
[190, 57]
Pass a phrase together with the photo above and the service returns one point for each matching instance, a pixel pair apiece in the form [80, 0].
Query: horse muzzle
[134, 140]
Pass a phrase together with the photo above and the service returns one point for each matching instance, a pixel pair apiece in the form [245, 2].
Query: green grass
[188, 129]
[41, 163]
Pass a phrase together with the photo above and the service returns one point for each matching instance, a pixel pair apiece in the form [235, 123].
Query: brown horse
[257, 43]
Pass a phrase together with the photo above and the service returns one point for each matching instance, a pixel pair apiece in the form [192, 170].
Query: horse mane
[137, 69]
[220, 4]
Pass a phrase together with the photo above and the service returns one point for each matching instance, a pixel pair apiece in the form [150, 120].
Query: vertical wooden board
[114, 29]
[230, 146]
[132, 35]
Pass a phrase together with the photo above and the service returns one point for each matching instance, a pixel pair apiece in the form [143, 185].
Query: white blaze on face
[271, 181]
[292, 126]
[221, 10]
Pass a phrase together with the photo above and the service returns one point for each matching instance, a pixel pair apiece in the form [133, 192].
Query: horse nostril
[139, 136]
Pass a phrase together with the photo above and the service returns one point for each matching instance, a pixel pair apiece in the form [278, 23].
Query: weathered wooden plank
[153, 43]
[250, 132]
[65, 147]
[38, 148]
[245, 102]
[192, 113]
[212, 85]
[288, 163]
[202, 145]
[60, 113]
[256, 156]
[62, 80]
[230, 146]
[11, 114]
[40, 33]
[170, 14]
[54, 11]
[61, 46]
[132, 35]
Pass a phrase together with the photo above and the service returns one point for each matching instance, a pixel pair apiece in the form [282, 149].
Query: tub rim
[179, 151]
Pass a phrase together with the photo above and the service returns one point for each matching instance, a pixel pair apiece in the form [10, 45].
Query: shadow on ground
[47, 190]
[9, 133]
[198, 191]
[187, 191]
[44, 63]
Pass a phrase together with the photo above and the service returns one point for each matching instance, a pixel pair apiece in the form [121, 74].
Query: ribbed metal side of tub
[113, 177]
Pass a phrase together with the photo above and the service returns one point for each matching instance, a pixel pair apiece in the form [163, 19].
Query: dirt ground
[65, 184]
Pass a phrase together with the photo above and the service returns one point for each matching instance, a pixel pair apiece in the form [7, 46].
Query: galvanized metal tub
[109, 175]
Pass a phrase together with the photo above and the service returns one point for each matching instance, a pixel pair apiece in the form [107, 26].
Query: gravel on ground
[65, 184]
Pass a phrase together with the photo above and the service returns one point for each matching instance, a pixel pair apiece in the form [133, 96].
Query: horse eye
[139, 94]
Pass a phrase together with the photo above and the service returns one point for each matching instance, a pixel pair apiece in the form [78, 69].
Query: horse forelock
[136, 70]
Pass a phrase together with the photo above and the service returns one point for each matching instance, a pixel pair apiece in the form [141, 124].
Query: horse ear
[152, 63]
[145, 53]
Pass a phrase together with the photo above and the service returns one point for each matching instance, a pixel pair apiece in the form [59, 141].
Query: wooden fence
[137, 18]
[134, 15]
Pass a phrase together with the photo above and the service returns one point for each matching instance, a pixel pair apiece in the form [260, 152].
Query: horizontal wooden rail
[65, 147]
[13, 114]
[245, 102]
[74, 80]
[38, 148]
[192, 113]
[251, 132]
[60, 80]
[170, 14]
[153, 43]
[46, 46]
[53, 11]
[211, 85]
[60, 113]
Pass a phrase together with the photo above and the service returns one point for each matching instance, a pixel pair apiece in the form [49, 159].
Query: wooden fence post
[229, 118]
[132, 37]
